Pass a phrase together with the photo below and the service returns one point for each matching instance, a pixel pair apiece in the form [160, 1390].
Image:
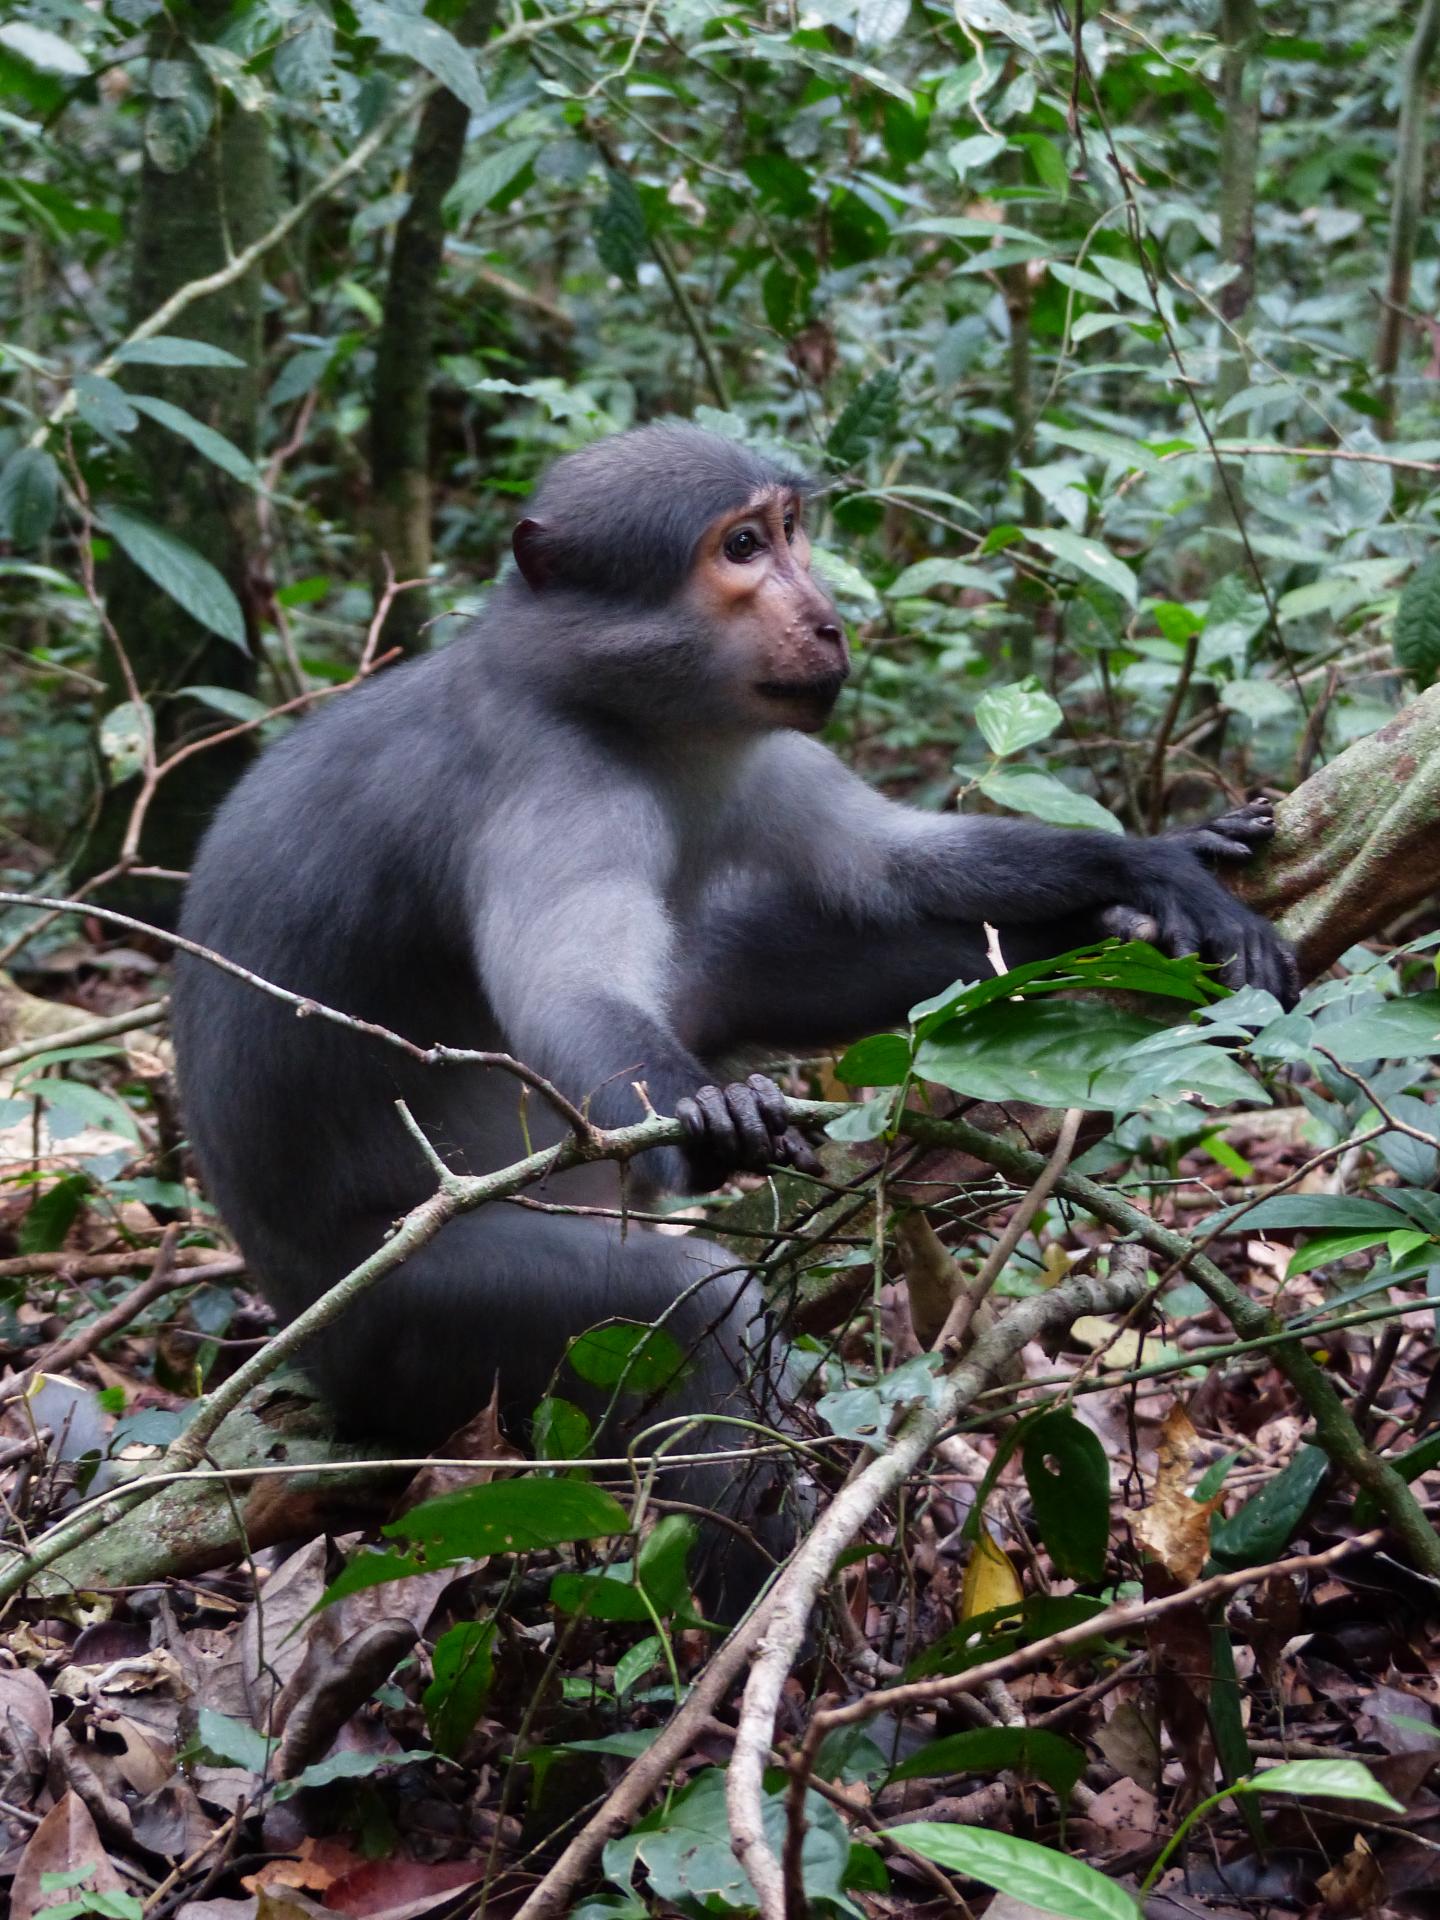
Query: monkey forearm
[1021, 872]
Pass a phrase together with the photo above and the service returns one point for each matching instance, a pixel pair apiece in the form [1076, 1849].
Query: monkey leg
[498, 1294]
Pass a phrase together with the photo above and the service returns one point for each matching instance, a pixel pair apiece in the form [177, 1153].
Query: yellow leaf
[990, 1581]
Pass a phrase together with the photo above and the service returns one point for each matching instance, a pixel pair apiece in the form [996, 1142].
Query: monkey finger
[1129, 923]
[794, 1150]
[771, 1103]
[743, 1106]
[719, 1128]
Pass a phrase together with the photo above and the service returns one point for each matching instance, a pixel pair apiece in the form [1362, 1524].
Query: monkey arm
[867, 860]
[575, 949]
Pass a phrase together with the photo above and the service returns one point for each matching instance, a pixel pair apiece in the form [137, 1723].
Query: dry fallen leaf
[1175, 1528]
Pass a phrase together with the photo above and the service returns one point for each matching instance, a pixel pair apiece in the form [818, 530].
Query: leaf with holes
[1068, 1477]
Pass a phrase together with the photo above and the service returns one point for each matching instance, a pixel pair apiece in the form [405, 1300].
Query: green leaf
[1323, 1780]
[509, 1516]
[483, 183]
[429, 44]
[216, 448]
[922, 576]
[1056, 1054]
[179, 114]
[29, 496]
[869, 415]
[1347, 1212]
[881, 1061]
[348, 1765]
[641, 1359]
[169, 350]
[1068, 1477]
[1397, 1027]
[177, 569]
[1031, 1751]
[660, 1565]
[1111, 447]
[104, 406]
[611, 1595]
[1014, 717]
[1416, 638]
[71, 1107]
[463, 1666]
[1087, 556]
[231, 1743]
[560, 1430]
[51, 1214]
[42, 48]
[1026, 1871]
[620, 233]
[127, 734]
[370, 1569]
[1027, 790]
[229, 701]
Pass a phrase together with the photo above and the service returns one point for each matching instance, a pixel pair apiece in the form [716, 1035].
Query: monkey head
[679, 560]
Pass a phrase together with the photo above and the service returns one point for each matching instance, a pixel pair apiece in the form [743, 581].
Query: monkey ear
[527, 544]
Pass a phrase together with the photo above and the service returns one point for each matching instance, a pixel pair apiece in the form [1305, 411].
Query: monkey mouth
[823, 691]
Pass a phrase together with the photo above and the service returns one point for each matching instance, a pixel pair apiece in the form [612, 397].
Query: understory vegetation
[1112, 336]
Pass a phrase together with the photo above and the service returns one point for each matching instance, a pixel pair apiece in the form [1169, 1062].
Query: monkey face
[779, 645]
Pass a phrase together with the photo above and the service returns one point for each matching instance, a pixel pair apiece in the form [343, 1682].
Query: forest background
[1112, 336]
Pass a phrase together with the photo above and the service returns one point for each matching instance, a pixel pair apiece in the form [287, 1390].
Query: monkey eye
[790, 524]
[743, 544]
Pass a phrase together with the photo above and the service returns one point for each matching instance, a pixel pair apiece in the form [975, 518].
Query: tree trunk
[186, 224]
[404, 356]
[1407, 202]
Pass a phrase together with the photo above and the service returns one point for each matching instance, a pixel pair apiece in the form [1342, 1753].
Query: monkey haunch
[593, 833]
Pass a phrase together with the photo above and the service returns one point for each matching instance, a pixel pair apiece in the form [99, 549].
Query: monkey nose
[828, 630]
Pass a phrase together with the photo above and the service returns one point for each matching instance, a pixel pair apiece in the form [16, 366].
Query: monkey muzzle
[809, 701]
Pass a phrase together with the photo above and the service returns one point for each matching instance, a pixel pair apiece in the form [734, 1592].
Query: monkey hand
[1179, 906]
[744, 1125]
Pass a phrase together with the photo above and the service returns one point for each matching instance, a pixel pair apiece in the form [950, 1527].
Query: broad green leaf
[1038, 1875]
[216, 448]
[42, 48]
[923, 576]
[1054, 1053]
[509, 1516]
[621, 235]
[177, 569]
[103, 405]
[560, 1430]
[371, 1569]
[29, 495]
[1328, 1247]
[1343, 1212]
[169, 350]
[1014, 717]
[1027, 790]
[179, 115]
[1068, 1478]
[869, 415]
[350, 1764]
[50, 1216]
[1416, 637]
[1031, 1751]
[1112, 447]
[229, 701]
[685, 1850]
[425, 41]
[1397, 1027]
[463, 1667]
[641, 1359]
[1087, 556]
[1260, 1531]
[479, 185]
[1323, 1780]
[610, 1594]
[227, 1742]
[71, 1108]
[881, 1061]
